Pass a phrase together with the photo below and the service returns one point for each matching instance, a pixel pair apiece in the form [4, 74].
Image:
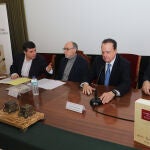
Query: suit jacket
[147, 73]
[78, 71]
[120, 74]
[38, 66]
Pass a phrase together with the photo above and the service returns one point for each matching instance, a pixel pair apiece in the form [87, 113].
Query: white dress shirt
[26, 67]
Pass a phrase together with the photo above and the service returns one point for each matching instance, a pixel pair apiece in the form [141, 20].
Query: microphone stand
[96, 101]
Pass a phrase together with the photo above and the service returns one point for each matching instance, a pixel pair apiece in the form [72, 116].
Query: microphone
[96, 101]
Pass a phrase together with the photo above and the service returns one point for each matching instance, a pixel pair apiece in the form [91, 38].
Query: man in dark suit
[28, 64]
[109, 69]
[72, 67]
[146, 81]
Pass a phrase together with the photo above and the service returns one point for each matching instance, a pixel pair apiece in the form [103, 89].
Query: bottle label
[34, 83]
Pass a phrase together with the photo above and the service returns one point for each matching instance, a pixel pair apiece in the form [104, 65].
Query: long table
[89, 124]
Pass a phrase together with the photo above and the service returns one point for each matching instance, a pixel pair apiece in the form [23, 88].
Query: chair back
[135, 65]
[81, 53]
[49, 58]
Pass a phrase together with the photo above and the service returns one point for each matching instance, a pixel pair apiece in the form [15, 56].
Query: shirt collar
[112, 62]
[25, 59]
[73, 58]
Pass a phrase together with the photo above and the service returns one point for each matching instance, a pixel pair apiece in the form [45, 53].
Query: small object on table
[10, 106]
[26, 111]
[3, 76]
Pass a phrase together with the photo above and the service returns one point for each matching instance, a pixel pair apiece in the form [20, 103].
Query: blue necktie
[107, 75]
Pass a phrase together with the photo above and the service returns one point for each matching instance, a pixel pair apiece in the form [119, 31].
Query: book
[142, 122]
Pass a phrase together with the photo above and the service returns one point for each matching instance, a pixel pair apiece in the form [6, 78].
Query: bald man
[72, 67]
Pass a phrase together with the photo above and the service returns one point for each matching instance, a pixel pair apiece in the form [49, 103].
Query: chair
[135, 65]
[49, 58]
[81, 53]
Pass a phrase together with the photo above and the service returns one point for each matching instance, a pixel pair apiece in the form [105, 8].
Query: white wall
[5, 36]
[51, 23]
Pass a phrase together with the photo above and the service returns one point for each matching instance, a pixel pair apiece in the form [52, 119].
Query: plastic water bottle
[34, 84]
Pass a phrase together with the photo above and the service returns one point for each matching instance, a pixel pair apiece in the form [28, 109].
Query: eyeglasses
[67, 49]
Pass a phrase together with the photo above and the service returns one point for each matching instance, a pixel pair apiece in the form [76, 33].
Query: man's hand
[146, 87]
[107, 97]
[87, 89]
[14, 76]
[49, 67]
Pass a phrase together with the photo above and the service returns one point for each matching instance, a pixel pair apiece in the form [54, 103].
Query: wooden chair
[49, 58]
[81, 53]
[135, 65]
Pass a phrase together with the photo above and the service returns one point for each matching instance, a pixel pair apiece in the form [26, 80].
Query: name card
[75, 107]
[13, 93]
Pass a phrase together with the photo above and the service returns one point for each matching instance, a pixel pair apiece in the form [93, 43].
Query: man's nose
[104, 54]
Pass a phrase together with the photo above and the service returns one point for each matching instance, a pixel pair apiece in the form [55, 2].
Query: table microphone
[96, 101]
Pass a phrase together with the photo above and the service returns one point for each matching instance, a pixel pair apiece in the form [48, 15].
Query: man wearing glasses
[72, 67]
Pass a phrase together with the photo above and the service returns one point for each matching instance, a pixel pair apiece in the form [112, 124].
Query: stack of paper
[49, 84]
[21, 88]
[15, 81]
[43, 83]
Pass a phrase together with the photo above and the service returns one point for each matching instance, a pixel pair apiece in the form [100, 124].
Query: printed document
[49, 84]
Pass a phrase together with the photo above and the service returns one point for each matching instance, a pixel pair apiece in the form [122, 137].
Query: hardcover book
[142, 122]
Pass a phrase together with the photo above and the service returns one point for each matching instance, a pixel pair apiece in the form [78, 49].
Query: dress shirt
[111, 65]
[26, 67]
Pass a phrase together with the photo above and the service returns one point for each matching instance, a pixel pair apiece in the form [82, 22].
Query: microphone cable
[125, 119]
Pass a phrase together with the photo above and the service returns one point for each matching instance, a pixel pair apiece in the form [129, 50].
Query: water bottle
[34, 84]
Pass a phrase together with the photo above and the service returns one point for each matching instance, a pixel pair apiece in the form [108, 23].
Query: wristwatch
[115, 92]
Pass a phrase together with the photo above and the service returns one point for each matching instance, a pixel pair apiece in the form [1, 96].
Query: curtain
[17, 24]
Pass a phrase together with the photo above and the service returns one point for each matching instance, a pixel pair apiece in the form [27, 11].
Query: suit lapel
[114, 70]
[32, 67]
[72, 69]
[21, 63]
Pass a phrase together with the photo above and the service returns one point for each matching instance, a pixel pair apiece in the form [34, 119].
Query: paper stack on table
[15, 81]
[49, 83]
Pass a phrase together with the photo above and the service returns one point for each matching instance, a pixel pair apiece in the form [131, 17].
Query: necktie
[107, 75]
